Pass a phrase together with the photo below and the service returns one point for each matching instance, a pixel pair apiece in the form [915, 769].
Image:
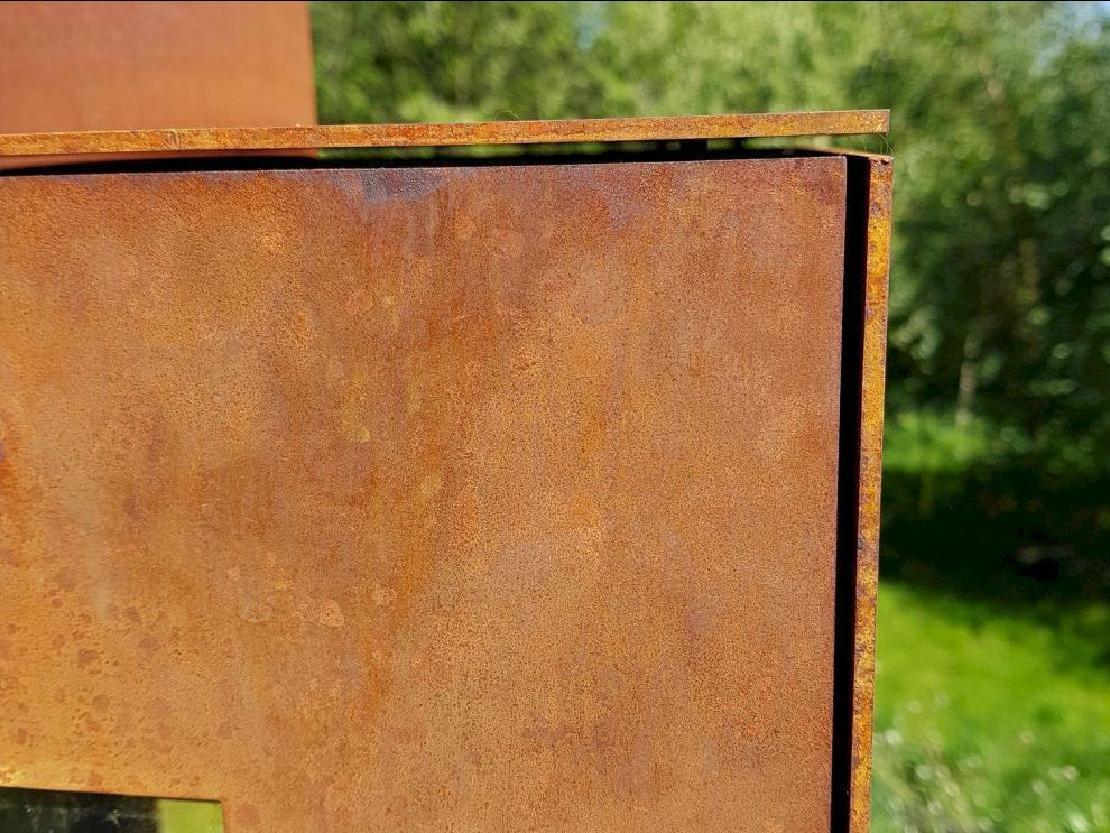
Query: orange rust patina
[472, 497]
[447, 134]
[92, 65]
[125, 65]
[880, 180]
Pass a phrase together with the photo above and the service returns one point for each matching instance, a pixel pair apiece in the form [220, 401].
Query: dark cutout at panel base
[59, 811]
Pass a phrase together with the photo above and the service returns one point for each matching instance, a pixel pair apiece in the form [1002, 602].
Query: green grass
[987, 721]
[182, 816]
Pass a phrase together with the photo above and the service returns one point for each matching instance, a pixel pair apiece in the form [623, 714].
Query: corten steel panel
[129, 65]
[484, 498]
[730, 126]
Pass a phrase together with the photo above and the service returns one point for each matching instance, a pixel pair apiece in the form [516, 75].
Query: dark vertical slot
[847, 521]
[50, 811]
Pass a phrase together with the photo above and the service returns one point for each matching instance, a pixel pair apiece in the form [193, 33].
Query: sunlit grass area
[993, 690]
[176, 816]
[989, 722]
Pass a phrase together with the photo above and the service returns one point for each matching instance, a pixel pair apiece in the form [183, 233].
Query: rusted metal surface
[71, 66]
[736, 126]
[109, 66]
[870, 476]
[476, 498]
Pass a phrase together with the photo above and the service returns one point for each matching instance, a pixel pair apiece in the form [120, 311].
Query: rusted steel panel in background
[734, 126]
[475, 498]
[131, 65]
[118, 66]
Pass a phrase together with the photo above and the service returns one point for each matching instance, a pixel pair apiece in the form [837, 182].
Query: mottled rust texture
[870, 476]
[149, 66]
[475, 499]
[732, 126]
[129, 65]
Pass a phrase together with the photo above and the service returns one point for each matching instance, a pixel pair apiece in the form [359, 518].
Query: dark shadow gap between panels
[468, 156]
[847, 522]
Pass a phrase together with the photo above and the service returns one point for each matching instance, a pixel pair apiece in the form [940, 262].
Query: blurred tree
[399, 61]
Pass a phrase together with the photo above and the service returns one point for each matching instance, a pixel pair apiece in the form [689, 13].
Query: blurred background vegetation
[994, 635]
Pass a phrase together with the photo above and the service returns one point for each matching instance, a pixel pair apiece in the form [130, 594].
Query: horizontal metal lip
[447, 134]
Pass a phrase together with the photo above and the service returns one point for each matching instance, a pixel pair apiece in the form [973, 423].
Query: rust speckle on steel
[83, 65]
[871, 442]
[462, 497]
[736, 126]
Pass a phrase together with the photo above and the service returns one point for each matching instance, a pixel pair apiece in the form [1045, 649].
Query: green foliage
[398, 61]
[978, 509]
